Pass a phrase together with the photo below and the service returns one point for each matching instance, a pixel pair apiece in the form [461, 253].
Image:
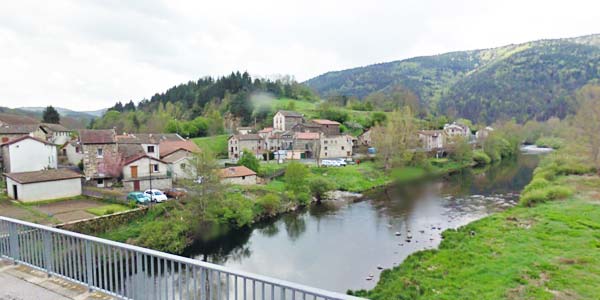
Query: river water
[341, 245]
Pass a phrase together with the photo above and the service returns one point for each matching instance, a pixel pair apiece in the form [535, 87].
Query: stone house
[336, 146]
[364, 139]
[238, 175]
[328, 127]
[305, 145]
[101, 160]
[26, 154]
[306, 127]
[251, 142]
[432, 140]
[285, 120]
[143, 172]
[13, 131]
[483, 133]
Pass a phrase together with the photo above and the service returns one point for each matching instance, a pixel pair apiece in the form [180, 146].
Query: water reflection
[339, 245]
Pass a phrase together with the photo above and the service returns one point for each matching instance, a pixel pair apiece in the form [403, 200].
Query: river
[341, 245]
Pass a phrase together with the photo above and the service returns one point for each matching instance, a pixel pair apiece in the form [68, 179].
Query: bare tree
[395, 140]
[587, 122]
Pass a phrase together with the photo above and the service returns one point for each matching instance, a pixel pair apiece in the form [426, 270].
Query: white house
[179, 155]
[56, 133]
[457, 129]
[238, 175]
[143, 171]
[284, 120]
[43, 185]
[26, 154]
[71, 152]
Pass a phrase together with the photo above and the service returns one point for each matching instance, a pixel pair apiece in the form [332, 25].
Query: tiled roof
[266, 130]
[140, 156]
[175, 156]
[431, 132]
[129, 151]
[18, 129]
[289, 113]
[25, 137]
[42, 176]
[97, 136]
[248, 137]
[54, 127]
[237, 171]
[325, 122]
[17, 119]
[147, 138]
[168, 147]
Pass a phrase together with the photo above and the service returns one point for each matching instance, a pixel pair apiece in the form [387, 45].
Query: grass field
[107, 209]
[216, 144]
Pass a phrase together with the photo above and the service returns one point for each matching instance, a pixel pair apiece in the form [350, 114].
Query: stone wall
[97, 225]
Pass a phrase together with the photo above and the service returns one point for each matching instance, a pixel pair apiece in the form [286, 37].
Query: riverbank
[545, 248]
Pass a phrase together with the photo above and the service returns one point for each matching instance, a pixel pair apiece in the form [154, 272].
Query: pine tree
[50, 115]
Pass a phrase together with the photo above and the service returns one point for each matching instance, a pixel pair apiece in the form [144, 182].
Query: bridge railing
[131, 272]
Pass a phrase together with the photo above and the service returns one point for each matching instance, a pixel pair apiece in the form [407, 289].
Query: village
[43, 161]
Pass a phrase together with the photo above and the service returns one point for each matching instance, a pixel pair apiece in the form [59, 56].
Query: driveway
[69, 210]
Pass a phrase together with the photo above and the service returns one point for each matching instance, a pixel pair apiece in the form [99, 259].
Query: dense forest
[535, 80]
[206, 106]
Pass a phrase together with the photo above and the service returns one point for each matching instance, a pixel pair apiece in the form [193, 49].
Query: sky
[86, 55]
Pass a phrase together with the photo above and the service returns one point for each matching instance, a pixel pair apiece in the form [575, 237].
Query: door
[134, 172]
[15, 192]
[136, 185]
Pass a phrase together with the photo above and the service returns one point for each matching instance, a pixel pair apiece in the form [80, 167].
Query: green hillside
[531, 80]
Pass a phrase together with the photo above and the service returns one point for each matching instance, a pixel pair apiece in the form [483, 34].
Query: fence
[131, 272]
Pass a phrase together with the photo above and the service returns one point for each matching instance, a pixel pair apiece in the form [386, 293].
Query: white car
[333, 163]
[156, 195]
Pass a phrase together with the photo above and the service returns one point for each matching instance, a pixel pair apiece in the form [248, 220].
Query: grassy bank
[215, 144]
[542, 249]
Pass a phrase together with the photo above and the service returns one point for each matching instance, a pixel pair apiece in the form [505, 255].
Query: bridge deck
[18, 282]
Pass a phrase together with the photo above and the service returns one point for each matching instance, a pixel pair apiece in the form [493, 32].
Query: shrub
[536, 184]
[481, 158]
[559, 192]
[268, 204]
[550, 142]
[534, 197]
[319, 186]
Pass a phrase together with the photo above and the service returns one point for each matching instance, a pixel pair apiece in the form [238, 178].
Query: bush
[559, 192]
[550, 142]
[536, 184]
[534, 197]
[268, 204]
[481, 158]
[319, 186]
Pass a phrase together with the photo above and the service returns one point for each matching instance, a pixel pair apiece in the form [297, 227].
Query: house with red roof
[179, 156]
[238, 175]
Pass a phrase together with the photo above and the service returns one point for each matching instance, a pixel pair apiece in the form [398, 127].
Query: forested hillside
[531, 80]
[205, 107]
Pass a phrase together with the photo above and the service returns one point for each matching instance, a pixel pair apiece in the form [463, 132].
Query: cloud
[89, 54]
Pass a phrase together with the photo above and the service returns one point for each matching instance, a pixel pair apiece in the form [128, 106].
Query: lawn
[107, 209]
[546, 252]
[353, 178]
[216, 144]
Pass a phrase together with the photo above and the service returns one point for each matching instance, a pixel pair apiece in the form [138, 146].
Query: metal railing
[131, 272]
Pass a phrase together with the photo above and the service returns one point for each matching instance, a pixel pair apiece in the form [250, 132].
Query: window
[77, 150]
[325, 153]
[342, 147]
[325, 149]
[182, 166]
[325, 142]
[243, 177]
[99, 152]
[150, 149]
[154, 168]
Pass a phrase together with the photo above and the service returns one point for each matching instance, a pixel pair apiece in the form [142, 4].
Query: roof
[289, 113]
[97, 136]
[168, 147]
[266, 130]
[176, 156]
[431, 132]
[17, 119]
[308, 135]
[140, 156]
[238, 171]
[247, 137]
[325, 122]
[25, 137]
[18, 128]
[54, 127]
[43, 176]
[129, 151]
[147, 138]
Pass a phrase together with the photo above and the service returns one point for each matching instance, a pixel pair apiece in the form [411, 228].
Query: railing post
[14, 242]
[88, 265]
[48, 252]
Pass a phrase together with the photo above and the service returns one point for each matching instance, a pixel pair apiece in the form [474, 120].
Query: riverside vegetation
[544, 248]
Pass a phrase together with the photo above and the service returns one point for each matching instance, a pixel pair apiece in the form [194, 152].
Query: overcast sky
[87, 55]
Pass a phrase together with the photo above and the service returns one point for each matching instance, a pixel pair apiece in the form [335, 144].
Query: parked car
[156, 195]
[138, 197]
[176, 193]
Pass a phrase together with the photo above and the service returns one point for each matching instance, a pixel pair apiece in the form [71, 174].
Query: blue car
[138, 197]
